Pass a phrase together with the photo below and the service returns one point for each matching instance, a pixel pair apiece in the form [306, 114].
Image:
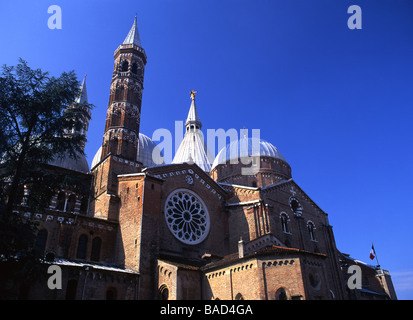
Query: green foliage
[38, 118]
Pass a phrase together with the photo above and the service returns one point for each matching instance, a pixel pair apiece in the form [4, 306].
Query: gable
[291, 187]
[192, 174]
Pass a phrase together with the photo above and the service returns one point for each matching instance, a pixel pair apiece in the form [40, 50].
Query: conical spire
[133, 35]
[82, 98]
[193, 148]
[193, 118]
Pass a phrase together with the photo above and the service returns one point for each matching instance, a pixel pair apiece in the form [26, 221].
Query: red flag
[372, 253]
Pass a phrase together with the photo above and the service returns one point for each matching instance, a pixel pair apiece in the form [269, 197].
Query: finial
[193, 93]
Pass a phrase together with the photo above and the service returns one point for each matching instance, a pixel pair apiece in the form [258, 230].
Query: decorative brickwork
[176, 232]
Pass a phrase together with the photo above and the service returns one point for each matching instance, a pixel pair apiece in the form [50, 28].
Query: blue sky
[336, 102]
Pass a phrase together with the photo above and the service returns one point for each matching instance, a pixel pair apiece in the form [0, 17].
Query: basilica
[202, 227]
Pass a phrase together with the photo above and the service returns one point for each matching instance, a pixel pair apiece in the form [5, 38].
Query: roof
[374, 292]
[291, 181]
[174, 169]
[246, 147]
[148, 153]
[79, 164]
[193, 116]
[82, 98]
[182, 263]
[268, 250]
[63, 262]
[193, 148]
[133, 35]
[345, 256]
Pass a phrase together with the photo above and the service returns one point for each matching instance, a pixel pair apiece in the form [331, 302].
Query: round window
[187, 217]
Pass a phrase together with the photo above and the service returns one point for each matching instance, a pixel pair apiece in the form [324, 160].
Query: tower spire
[82, 98]
[193, 148]
[133, 35]
[193, 117]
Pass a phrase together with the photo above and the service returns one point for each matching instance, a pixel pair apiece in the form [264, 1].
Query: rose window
[187, 217]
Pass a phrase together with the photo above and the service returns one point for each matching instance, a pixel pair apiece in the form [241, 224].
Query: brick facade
[177, 232]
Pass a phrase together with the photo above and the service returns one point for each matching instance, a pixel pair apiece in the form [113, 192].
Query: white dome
[247, 147]
[146, 154]
[96, 158]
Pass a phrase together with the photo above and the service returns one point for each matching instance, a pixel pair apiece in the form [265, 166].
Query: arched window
[111, 293]
[114, 146]
[61, 201]
[71, 202]
[311, 230]
[284, 222]
[50, 256]
[239, 297]
[119, 94]
[163, 292]
[134, 68]
[96, 245]
[41, 240]
[124, 66]
[281, 294]
[81, 247]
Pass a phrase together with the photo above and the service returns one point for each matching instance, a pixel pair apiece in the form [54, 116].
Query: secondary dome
[145, 153]
[79, 164]
[148, 152]
[247, 147]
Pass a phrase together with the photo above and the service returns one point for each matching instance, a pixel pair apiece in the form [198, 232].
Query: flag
[372, 253]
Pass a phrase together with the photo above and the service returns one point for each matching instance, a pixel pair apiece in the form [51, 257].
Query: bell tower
[121, 136]
[124, 110]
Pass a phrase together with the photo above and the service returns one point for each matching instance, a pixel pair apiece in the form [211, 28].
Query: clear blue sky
[336, 102]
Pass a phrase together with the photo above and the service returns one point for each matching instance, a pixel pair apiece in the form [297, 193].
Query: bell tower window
[124, 66]
[134, 68]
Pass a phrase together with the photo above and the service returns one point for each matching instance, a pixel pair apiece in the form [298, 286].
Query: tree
[38, 116]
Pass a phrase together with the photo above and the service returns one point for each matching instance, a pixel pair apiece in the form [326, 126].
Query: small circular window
[187, 217]
[296, 206]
